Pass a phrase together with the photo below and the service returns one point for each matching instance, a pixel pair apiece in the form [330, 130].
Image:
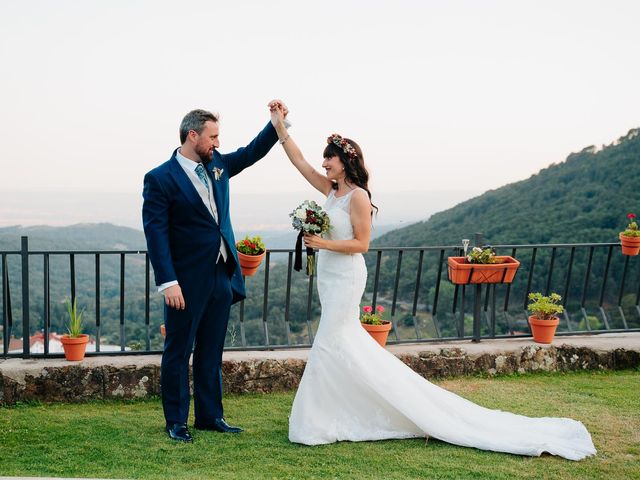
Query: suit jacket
[183, 239]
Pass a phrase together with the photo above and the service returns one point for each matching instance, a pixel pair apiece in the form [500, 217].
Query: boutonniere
[217, 173]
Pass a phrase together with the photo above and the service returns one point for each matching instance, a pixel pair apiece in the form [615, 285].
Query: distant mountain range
[82, 236]
[250, 212]
[106, 236]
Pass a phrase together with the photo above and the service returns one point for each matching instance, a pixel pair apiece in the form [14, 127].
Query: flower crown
[343, 144]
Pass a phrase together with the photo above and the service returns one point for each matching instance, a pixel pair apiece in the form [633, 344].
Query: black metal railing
[123, 312]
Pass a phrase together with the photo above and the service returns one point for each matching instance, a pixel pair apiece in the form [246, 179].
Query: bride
[352, 389]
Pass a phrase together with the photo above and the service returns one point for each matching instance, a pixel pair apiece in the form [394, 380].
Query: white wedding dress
[352, 389]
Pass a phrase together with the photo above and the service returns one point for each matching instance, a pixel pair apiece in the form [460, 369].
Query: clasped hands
[279, 111]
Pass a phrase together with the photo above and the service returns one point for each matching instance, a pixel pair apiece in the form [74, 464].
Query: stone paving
[264, 371]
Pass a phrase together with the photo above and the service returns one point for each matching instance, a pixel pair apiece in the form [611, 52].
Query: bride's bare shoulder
[359, 192]
[360, 199]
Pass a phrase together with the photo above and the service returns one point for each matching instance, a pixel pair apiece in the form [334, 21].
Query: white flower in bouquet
[301, 213]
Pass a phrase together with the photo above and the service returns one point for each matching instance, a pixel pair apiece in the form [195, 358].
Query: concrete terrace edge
[127, 377]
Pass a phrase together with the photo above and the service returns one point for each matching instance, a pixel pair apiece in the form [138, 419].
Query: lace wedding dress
[354, 390]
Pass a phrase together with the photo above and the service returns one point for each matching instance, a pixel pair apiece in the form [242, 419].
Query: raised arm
[246, 156]
[314, 177]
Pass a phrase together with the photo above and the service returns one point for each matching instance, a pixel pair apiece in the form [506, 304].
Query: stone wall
[54, 380]
[451, 362]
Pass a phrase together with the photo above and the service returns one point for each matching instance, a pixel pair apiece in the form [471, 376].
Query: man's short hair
[195, 120]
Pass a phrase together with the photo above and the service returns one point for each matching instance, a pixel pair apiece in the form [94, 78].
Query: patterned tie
[202, 175]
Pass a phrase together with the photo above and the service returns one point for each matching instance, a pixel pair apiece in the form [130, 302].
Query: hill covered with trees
[583, 199]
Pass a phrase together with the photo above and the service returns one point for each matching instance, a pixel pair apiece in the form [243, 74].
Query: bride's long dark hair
[354, 169]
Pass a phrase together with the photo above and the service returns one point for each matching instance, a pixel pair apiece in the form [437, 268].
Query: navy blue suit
[183, 241]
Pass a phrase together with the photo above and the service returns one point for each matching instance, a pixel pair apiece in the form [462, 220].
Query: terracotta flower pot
[543, 330]
[74, 348]
[163, 330]
[630, 245]
[250, 263]
[378, 332]
[462, 272]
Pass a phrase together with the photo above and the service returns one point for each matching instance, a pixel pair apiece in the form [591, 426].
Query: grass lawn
[126, 439]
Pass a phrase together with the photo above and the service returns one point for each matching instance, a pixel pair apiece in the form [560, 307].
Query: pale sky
[441, 95]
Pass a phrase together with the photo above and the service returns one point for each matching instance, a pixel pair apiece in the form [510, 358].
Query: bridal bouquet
[308, 217]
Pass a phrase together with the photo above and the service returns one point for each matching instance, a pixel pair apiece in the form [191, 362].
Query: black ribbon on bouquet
[297, 262]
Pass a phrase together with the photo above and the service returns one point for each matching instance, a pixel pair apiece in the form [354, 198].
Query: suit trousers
[205, 326]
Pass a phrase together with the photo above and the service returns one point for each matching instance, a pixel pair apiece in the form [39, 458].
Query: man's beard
[204, 155]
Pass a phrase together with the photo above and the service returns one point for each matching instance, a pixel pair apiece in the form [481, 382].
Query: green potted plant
[482, 265]
[630, 238]
[75, 342]
[251, 251]
[373, 323]
[544, 316]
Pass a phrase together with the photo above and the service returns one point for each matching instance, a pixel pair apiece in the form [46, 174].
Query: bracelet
[283, 140]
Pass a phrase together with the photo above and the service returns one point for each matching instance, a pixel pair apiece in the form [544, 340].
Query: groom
[192, 249]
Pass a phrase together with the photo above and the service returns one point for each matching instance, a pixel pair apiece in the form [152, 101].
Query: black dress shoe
[218, 425]
[179, 432]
